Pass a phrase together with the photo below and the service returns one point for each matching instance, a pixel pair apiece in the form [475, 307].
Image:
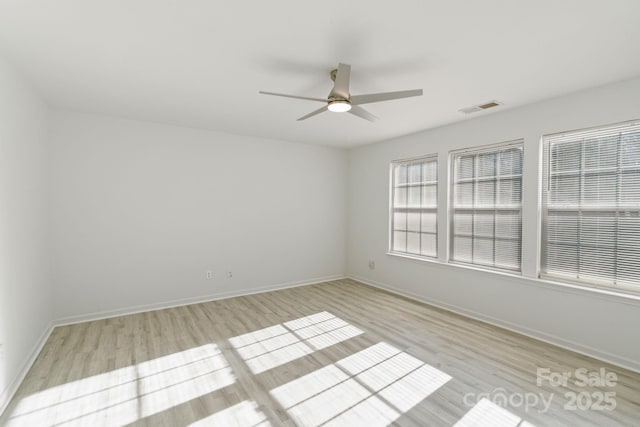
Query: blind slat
[414, 206]
[486, 227]
[591, 206]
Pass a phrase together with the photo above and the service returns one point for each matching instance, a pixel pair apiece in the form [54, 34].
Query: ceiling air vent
[480, 107]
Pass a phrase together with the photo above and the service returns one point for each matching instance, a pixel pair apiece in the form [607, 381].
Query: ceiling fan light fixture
[339, 106]
[341, 101]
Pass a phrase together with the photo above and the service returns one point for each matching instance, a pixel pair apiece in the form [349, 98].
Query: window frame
[544, 181]
[392, 187]
[451, 209]
[533, 152]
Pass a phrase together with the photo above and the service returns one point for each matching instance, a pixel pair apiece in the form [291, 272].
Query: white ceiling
[200, 63]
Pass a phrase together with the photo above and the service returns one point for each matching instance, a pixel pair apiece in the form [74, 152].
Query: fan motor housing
[333, 99]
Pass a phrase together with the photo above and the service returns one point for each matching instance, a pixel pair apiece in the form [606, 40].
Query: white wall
[25, 293]
[142, 210]
[601, 325]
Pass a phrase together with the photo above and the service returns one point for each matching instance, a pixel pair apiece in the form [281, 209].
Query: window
[591, 206]
[486, 206]
[414, 206]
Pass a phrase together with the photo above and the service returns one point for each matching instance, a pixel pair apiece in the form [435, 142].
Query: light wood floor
[337, 353]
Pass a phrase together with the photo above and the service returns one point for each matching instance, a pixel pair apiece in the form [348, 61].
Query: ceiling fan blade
[313, 113]
[293, 96]
[362, 113]
[341, 85]
[385, 96]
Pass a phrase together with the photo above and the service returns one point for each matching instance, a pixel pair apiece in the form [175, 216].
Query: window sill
[585, 290]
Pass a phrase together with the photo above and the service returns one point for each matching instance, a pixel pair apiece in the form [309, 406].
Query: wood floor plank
[336, 353]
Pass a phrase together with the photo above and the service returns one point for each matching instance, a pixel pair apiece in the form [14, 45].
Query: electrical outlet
[209, 274]
[229, 274]
[372, 265]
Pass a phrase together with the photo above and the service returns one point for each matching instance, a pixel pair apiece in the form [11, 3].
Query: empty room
[339, 213]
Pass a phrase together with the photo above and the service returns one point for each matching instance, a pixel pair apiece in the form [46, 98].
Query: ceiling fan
[341, 101]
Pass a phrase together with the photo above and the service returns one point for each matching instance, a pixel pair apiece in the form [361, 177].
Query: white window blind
[486, 206]
[414, 206]
[591, 206]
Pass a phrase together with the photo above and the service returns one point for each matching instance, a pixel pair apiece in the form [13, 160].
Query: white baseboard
[8, 393]
[186, 301]
[604, 356]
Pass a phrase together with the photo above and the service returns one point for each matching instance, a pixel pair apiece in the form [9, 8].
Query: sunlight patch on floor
[487, 414]
[418, 379]
[270, 347]
[372, 387]
[243, 414]
[125, 395]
